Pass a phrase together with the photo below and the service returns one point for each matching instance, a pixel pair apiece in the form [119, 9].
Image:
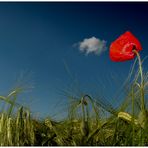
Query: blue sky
[37, 46]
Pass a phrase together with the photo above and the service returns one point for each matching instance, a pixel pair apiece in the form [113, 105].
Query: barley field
[86, 123]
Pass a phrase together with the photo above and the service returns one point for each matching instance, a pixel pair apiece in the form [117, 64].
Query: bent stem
[142, 81]
[94, 108]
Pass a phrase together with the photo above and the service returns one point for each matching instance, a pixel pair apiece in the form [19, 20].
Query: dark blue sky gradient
[36, 39]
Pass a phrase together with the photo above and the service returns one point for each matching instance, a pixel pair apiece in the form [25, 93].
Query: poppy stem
[142, 80]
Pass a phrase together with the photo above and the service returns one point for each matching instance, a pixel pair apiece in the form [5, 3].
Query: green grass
[90, 122]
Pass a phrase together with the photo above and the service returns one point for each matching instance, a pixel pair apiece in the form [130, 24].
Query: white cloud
[92, 45]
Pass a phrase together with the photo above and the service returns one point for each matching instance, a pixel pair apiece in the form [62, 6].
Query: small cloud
[92, 45]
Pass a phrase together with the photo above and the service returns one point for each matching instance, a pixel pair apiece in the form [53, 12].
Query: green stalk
[83, 124]
[83, 110]
[143, 110]
[142, 81]
[12, 105]
[133, 124]
[94, 108]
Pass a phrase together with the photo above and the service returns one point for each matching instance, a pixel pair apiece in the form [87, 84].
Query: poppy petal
[121, 49]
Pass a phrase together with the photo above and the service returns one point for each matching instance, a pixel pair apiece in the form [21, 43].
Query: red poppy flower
[122, 48]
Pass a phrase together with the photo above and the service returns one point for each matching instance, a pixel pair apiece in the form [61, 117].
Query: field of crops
[90, 122]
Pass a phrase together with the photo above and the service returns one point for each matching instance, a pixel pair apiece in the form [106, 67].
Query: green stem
[133, 135]
[83, 110]
[94, 108]
[142, 80]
